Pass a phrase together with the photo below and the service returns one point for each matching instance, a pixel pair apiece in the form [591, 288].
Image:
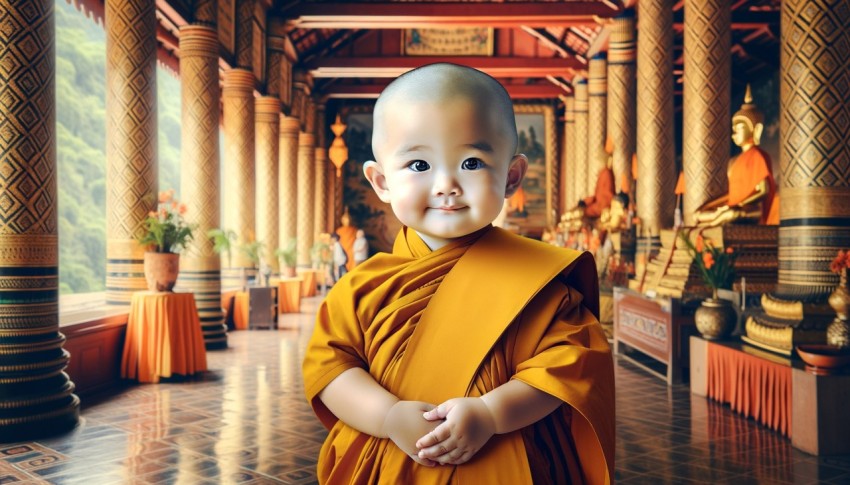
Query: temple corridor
[246, 421]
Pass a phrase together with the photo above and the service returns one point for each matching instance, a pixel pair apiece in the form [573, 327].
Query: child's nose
[446, 184]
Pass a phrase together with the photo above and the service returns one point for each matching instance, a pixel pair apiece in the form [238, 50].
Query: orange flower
[163, 212]
[840, 262]
[173, 205]
[729, 250]
[152, 214]
[707, 260]
[164, 197]
[699, 244]
[181, 209]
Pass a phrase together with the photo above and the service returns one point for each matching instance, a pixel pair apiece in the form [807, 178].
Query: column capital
[306, 139]
[236, 80]
[267, 109]
[289, 125]
[321, 155]
[198, 40]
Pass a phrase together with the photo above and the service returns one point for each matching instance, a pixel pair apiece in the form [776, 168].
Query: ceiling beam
[405, 15]
[384, 67]
[371, 91]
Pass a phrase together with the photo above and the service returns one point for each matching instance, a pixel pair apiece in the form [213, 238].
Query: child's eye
[419, 165]
[472, 164]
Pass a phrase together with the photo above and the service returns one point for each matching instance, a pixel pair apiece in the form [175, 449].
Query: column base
[40, 425]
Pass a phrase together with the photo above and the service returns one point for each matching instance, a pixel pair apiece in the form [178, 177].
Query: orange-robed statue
[347, 234]
[752, 188]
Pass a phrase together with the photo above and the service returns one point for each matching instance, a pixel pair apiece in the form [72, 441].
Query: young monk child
[469, 354]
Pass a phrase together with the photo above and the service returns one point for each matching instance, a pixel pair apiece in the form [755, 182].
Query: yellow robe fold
[461, 321]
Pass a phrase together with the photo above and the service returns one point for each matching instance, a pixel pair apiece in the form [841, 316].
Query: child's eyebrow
[481, 146]
[412, 148]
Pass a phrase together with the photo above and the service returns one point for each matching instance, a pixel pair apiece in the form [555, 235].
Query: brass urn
[715, 318]
[838, 332]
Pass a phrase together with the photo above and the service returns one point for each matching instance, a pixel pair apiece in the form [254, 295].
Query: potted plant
[223, 242]
[252, 250]
[715, 318]
[288, 256]
[165, 233]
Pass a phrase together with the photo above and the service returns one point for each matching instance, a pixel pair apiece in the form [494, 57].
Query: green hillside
[81, 147]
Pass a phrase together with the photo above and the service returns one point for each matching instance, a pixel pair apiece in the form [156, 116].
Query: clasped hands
[448, 434]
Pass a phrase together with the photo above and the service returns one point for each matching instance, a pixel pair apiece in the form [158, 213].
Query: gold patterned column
[320, 216]
[597, 119]
[306, 197]
[580, 152]
[705, 113]
[131, 150]
[622, 118]
[288, 180]
[814, 160]
[200, 266]
[239, 215]
[36, 396]
[655, 143]
[268, 154]
[568, 169]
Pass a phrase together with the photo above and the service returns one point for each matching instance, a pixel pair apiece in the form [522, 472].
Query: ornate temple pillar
[706, 102]
[288, 180]
[622, 122]
[815, 156]
[568, 169]
[306, 197]
[200, 266]
[320, 216]
[131, 135]
[206, 13]
[655, 140]
[36, 397]
[597, 119]
[268, 154]
[581, 173]
[238, 176]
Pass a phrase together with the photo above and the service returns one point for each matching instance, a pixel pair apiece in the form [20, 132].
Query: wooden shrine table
[288, 294]
[163, 337]
[776, 391]
[308, 285]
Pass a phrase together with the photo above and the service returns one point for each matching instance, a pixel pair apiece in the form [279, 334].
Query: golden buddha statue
[615, 218]
[752, 188]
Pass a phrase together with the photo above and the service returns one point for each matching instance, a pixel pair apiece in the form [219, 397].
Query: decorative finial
[748, 95]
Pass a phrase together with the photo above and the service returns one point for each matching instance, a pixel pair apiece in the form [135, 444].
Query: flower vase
[161, 270]
[715, 318]
[838, 332]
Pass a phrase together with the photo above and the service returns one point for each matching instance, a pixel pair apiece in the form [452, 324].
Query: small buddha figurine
[750, 176]
[605, 189]
[347, 234]
[615, 218]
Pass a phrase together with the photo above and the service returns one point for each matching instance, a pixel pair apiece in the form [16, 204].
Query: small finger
[462, 459]
[450, 457]
[437, 450]
[438, 412]
[432, 438]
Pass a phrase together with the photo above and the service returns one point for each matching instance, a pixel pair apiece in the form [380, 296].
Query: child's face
[443, 167]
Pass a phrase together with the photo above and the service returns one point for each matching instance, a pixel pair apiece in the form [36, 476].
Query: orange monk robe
[746, 172]
[461, 321]
[517, 200]
[347, 235]
[602, 195]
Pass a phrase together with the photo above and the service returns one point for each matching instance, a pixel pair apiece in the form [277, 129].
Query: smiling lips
[450, 208]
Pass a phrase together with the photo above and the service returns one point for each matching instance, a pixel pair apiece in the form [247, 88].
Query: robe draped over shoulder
[461, 321]
[745, 173]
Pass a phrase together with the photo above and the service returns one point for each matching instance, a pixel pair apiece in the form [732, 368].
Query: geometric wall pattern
[268, 140]
[655, 142]
[581, 148]
[239, 142]
[814, 157]
[597, 120]
[622, 121]
[244, 33]
[705, 129]
[306, 198]
[36, 397]
[200, 266]
[206, 13]
[320, 216]
[288, 180]
[131, 140]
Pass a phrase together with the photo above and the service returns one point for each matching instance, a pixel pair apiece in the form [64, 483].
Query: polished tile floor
[246, 421]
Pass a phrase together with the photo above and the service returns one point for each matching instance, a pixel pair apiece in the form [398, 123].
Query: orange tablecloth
[163, 337]
[289, 295]
[752, 386]
[308, 286]
[240, 310]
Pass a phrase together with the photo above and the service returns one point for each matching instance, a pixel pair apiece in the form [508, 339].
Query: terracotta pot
[288, 272]
[161, 270]
[715, 318]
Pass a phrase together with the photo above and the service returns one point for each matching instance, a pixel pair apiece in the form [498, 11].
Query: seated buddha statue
[615, 218]
[752, 188]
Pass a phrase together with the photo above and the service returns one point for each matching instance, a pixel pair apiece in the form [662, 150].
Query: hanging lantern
[338, 152]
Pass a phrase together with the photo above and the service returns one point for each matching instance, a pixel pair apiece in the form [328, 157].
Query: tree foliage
[81, 147]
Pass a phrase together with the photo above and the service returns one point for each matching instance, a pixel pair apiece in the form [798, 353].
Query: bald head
[445, 83]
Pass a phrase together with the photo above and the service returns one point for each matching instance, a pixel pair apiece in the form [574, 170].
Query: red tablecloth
[752, 386]
[163, 337]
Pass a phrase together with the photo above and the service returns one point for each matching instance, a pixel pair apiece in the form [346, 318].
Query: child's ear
[516, 172]
[375, 175]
